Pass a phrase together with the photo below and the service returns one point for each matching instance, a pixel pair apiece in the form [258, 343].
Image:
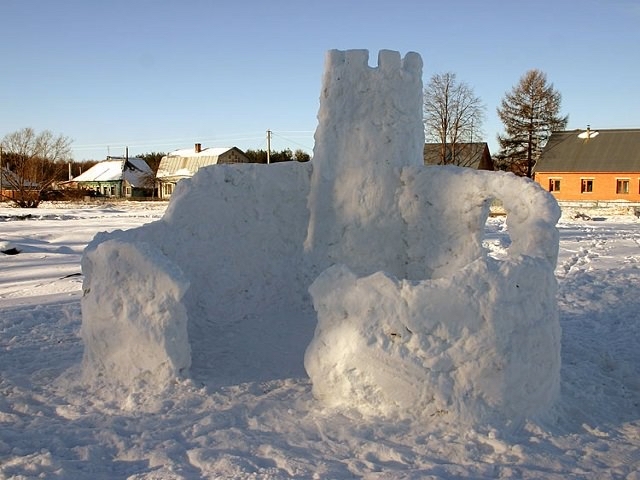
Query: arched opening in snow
[496, 240]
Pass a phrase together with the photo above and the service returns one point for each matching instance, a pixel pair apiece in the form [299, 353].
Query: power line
[227, 140]
[165, 142]
[148, 143]
[290, 140]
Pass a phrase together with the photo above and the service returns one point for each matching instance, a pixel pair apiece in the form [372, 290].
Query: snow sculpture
[412, 314]
[423, 319]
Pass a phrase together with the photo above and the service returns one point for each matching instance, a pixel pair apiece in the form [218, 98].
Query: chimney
[588, 131]
[198, 147]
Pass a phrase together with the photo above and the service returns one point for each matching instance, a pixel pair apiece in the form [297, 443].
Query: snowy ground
[53, 427]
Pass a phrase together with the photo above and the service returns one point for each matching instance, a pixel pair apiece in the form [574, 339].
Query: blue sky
[162, 75]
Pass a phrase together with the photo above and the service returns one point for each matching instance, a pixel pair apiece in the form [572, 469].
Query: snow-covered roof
[205, 152]
[114, 169]
[186, 162]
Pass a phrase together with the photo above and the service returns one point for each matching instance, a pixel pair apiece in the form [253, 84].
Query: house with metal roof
[185, 163]
[473, 155]
[589, 165]
[117, 177]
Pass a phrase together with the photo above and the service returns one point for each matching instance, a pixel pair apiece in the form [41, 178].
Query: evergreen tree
[530, 112]
[152, 159]
[301, 156]
[286, 155]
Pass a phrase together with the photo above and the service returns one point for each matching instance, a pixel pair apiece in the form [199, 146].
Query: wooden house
[591, 165]
[186, 162]
[473, 155]
[117, 177]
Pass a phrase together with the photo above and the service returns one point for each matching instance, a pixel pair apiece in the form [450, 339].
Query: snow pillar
[369, 128]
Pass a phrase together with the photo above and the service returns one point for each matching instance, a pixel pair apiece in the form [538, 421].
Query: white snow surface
[52, 425]
[430, 332]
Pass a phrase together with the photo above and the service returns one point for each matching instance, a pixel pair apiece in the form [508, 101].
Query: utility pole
[268, 147]
[124, 166]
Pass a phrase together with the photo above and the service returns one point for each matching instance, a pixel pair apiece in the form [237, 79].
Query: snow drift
[412, 313]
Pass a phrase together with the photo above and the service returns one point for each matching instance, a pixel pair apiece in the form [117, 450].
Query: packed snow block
[236, 232]
[134, 325]
[478, 346]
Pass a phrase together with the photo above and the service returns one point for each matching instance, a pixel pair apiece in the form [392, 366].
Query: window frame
[624, 183]
[586, 184]
[555, 184]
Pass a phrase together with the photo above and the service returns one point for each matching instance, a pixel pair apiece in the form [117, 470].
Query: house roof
[187, 161]
[615, 150]
[471, 154]
[115, 169]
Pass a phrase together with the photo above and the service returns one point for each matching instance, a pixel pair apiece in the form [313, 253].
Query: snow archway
[411, 312]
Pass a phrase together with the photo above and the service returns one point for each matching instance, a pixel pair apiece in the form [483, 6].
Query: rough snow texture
[458, 345]
[237, 234]
[412, 314]
[369, 127]
[137, 332]
[463, 333]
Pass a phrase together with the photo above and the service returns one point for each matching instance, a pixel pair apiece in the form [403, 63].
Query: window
[622, 185]
[554, 184]
[587, 185]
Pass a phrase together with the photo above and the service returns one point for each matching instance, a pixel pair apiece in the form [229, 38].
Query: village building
[185, 163]
[473, 155]
[591, 166]
[11, 184]
[117, 177]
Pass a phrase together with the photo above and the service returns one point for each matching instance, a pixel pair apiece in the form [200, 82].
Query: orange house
[591, 165]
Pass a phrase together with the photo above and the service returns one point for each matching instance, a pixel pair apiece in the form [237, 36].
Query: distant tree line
[152, 159]
[286, 155]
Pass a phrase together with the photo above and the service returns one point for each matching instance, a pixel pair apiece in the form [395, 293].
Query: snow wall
[411, 314]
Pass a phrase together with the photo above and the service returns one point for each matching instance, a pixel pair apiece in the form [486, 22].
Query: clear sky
[162, 75]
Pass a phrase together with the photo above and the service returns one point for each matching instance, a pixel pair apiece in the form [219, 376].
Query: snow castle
[410, 312]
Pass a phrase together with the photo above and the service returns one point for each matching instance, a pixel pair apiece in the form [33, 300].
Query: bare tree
[530, 112]
[453, 117]
[34, 163]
